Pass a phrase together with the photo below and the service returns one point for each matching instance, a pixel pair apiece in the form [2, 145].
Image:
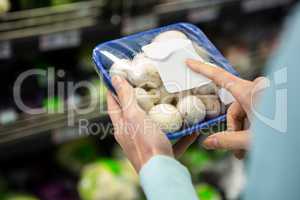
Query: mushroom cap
[210, 88]
[120, 68]
[191, 109]
[167, 35]
[167, 117]
[212, 105]
[155, 95]
[143, 73]
[182, 94]
[144, 99]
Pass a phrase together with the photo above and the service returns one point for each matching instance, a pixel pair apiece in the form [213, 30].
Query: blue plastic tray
[127, 47]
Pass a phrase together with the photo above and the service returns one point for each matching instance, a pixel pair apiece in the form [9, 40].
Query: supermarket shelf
[53, 28]
[33, 28]
[34, 125]
[31, 22]
[252, 5]
[177, 6]
[195, 11]
[61, 9]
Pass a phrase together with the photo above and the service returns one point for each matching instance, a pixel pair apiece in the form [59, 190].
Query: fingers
[235, 122]
[235, 117]
[115, 115]
[113, 109]
[124, 91]
[219, 76]
[228, 140]
[182, 145]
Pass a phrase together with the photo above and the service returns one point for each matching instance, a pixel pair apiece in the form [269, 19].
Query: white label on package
[170, 58]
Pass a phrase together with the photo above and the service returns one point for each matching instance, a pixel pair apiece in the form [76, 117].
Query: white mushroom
[143, 73]
[191, 109]
[182, 94]
[166, 97]
[173, 34]
[210, 88]
[120, 68]
[155, 95]
[212, 105]
[144, 99]
[167, 117]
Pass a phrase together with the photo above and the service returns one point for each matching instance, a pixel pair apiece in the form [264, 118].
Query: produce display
[170, 111]
[197, 159]
[75, 155]
[105, 180]
[207, 192]
[53, 104]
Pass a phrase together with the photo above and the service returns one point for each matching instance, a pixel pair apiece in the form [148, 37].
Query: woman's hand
[138, 135]
[237, 136]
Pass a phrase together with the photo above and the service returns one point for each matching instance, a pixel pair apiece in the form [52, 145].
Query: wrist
[153, 154]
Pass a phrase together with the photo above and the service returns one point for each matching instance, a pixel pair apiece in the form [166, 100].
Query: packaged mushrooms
[179, 101]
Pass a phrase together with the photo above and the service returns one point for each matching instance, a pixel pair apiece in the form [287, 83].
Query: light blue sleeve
[164, 178]
[274, 163]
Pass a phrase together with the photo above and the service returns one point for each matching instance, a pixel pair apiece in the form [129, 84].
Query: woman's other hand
[237, 135]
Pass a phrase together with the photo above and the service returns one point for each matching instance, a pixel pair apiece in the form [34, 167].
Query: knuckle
[217, 74]
[260, 78]
[225, 79]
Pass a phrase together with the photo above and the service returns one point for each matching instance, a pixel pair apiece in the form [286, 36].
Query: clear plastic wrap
[126, 48]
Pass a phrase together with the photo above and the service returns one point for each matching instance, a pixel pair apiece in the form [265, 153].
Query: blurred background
[41, 157]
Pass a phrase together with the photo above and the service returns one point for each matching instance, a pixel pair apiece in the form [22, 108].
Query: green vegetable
[60, 2]
[19, 197]
[103, 180]
[75, 155]
[207, 192]
[53, 105]
[195, 160]
[113, 165]
[4, 6]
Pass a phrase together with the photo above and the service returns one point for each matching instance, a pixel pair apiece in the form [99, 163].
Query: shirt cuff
[165, 178]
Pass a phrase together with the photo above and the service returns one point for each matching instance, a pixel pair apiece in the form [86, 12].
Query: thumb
[231, 140]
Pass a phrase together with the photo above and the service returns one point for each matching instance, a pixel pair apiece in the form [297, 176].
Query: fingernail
[188, 61]
[211, 143]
